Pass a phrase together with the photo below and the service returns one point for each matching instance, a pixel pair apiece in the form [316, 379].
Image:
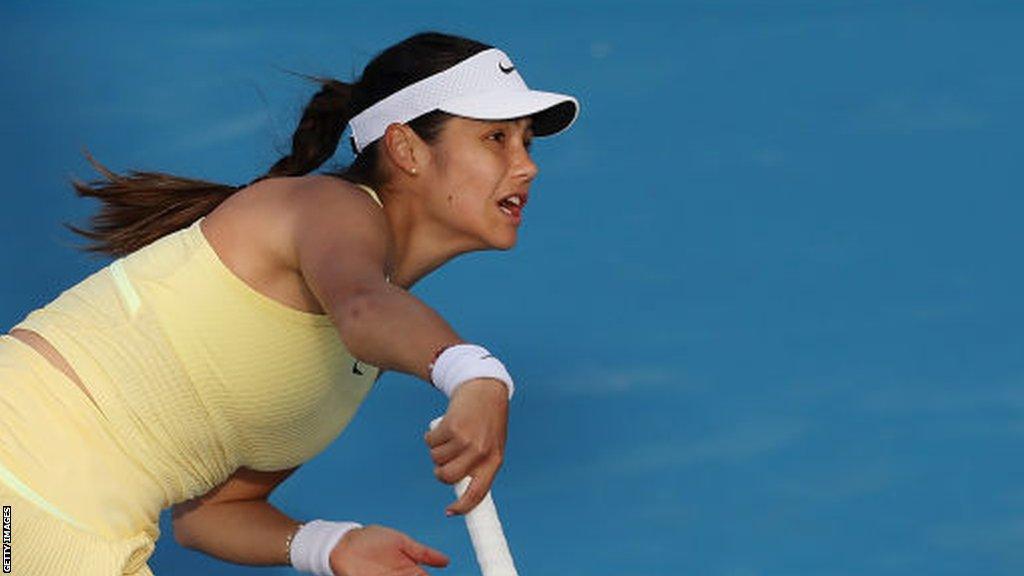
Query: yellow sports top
[196, 371]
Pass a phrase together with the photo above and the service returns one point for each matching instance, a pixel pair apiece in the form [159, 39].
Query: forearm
[250, 532]
[393, 330]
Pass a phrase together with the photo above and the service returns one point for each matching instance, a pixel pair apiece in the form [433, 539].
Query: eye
[528, 143]
[498, 136]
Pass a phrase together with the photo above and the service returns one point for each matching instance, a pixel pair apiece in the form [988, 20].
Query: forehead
[471, 124]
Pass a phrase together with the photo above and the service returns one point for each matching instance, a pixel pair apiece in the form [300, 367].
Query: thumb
[425, 555]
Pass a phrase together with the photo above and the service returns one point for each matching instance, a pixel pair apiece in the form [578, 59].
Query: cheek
[472, 178]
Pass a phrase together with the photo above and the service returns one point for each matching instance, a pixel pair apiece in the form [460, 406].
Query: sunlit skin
[441, 199]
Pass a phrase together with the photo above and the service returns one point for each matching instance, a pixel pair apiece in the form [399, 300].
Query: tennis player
[239, 328]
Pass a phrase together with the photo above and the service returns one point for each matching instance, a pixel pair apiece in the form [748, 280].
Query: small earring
[414, 171]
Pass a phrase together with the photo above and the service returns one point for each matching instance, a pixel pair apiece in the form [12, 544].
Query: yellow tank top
[196, 371]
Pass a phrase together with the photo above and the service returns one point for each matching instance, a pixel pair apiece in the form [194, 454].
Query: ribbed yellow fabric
[60, 456]
[43, 545]
[51, 433]
[196, 372]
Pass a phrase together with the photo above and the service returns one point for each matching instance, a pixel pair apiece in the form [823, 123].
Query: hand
[470, 440]
[381, 551]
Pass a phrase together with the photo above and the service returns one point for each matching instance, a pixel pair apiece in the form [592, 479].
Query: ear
[404, 148]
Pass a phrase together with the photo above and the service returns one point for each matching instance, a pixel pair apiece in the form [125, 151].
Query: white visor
[485, 86]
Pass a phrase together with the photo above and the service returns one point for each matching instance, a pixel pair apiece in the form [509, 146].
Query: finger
[423, 554]
[458, 468]
[408, 571]
[474, 493]
[438, 435]
[445, 453]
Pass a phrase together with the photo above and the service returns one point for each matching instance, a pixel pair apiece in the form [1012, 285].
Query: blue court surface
[764, 314]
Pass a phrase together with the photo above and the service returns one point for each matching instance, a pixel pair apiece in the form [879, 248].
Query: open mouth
[513, 206]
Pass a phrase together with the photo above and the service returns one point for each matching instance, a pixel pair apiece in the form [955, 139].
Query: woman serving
[240, 328]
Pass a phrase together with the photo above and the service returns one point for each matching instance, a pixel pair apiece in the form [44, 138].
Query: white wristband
[312, 545]
[463, 362]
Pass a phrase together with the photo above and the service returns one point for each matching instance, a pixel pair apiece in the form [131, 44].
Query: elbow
[182, 534]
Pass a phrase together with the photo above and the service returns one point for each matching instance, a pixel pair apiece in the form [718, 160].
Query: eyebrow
[514, 122]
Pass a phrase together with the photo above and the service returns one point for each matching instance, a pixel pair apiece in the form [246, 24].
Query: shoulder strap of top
[372, 194]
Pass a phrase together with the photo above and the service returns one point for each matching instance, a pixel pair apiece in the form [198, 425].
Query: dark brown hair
[141, 207]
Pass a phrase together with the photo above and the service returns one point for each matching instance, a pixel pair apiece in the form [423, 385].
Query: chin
[501, 237]
[507, 243]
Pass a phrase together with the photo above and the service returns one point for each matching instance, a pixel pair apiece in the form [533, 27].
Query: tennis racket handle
[492, 553]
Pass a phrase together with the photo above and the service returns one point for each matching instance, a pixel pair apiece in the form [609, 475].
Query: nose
[524, 167]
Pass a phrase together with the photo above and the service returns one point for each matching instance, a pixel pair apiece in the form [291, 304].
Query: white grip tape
[485, 532]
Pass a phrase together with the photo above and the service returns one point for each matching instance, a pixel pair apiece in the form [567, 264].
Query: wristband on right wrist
[458, 364]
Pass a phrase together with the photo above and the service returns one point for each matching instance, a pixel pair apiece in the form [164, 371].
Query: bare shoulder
[341, 240]
[270, 214]
[321, 199]
[281, 235]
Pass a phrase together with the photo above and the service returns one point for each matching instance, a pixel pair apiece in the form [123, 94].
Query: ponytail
[141, 207]
[319, 130]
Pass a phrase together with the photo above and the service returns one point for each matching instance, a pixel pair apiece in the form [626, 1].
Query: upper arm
[341, 240]
[243, 484]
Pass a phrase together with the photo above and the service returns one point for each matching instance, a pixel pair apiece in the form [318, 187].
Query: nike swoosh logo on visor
[505, 70]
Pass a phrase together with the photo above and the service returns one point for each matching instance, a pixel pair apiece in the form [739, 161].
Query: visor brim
[552, 113]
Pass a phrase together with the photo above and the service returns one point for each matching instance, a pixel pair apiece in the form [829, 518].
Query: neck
[419, 245]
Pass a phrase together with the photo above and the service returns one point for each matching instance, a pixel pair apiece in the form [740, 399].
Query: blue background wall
[764, 313]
